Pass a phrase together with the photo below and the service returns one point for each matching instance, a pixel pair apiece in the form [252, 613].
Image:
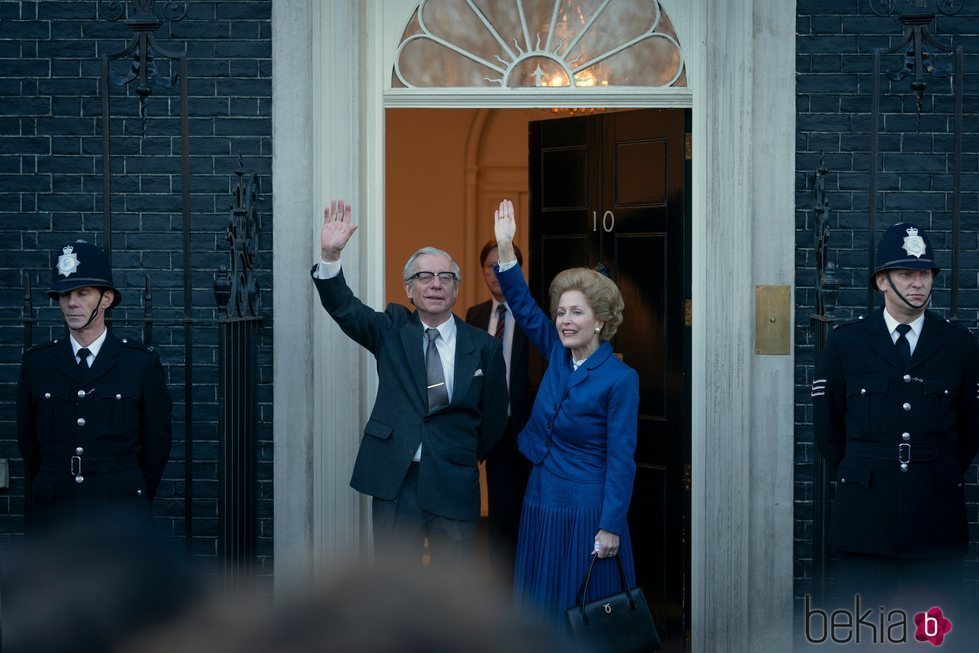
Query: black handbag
[620, 623]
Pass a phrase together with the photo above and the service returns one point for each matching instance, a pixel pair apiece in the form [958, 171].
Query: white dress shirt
[912, 335]
[92, 348]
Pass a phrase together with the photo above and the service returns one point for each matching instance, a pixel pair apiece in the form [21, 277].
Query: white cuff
[327, 270]
[503, 267]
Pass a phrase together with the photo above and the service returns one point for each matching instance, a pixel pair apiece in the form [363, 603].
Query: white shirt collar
[447, 329]
[93, 348]
[915, 326]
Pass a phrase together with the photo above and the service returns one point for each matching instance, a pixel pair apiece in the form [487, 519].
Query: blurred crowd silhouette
[101, 586]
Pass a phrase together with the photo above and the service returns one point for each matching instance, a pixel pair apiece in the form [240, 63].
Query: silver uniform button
[79, 479]
[47, 395]
[81, 421]
[843, 479]
[139, 493]
[946, 393]
[907, 378]
[906, 406]
[863, 391]
[118, 397]
[79, 451]
[81, 394]
[905, 436]
[124, 340]
[904, 467]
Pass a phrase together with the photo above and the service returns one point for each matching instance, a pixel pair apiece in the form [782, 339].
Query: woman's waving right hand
[505, 227]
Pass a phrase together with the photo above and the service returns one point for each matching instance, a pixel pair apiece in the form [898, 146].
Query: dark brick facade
[834, 94]
[51, 193]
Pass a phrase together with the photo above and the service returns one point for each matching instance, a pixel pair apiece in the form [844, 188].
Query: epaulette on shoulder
[846, 323]
[138, 345]
[43, 345]
[962, 326]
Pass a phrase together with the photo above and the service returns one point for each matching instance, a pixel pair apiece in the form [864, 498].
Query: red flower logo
[932, 626]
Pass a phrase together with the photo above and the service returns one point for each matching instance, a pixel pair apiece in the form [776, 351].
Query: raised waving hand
[336, 231]
[505, 227]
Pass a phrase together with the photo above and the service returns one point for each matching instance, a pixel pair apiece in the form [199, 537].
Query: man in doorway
[93, 410]
[506, 468]
[896, 415]
[442, 398]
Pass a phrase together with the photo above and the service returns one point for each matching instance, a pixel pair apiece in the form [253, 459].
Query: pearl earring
[598, 329]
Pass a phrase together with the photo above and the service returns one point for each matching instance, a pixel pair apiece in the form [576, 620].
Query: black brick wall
[51, 193]
[835, 44]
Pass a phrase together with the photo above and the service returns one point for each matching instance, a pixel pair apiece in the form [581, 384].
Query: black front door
[611, 190]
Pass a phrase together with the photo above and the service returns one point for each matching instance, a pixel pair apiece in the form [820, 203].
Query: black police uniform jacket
[898, 438]
[94, 438]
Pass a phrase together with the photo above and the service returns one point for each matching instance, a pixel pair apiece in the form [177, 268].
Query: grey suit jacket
[454, 437]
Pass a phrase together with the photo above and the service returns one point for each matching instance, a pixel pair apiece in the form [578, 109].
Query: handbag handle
[583, 590]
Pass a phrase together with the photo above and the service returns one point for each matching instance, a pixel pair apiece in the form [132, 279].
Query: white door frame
[331, 67]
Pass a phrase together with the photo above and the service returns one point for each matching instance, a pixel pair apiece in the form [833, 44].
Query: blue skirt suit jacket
[581, 439]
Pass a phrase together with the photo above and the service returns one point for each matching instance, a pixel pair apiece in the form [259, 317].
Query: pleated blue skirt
[557, 537]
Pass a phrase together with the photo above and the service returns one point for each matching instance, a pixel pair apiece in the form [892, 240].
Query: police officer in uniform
[896, 416]
[93, 410]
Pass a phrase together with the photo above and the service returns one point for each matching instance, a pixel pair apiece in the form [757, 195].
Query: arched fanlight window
[562, 43]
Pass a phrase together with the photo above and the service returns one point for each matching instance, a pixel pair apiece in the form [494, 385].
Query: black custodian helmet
[904, 246]
[81, 265]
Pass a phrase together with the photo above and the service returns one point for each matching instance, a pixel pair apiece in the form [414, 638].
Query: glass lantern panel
[652, 62]
[427, 63]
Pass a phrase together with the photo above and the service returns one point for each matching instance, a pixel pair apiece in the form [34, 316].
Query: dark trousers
[401, 526]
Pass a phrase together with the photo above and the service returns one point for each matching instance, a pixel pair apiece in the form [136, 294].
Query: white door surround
[331, 83]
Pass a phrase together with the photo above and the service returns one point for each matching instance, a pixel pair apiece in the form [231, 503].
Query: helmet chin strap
[94, 314]
[904, 299]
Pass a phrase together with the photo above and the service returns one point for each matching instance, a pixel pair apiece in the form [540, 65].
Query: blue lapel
[571, 379]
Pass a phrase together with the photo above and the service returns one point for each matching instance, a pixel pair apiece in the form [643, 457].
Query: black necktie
[83, 359]
[500, 321]
[438, 395]
[902, 344]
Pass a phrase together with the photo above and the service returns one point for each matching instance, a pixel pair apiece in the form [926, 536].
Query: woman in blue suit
[580, 439]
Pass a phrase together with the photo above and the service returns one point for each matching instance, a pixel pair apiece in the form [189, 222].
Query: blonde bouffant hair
[600, 292]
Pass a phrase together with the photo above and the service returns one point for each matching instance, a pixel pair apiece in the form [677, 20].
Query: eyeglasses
[427, 277]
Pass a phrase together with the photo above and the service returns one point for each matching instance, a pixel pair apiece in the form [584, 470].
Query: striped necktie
[500, 321]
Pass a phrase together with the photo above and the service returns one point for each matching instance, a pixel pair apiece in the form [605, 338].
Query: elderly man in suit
[896, 415]
[442, 398]
[93, 410]
[506, 468]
